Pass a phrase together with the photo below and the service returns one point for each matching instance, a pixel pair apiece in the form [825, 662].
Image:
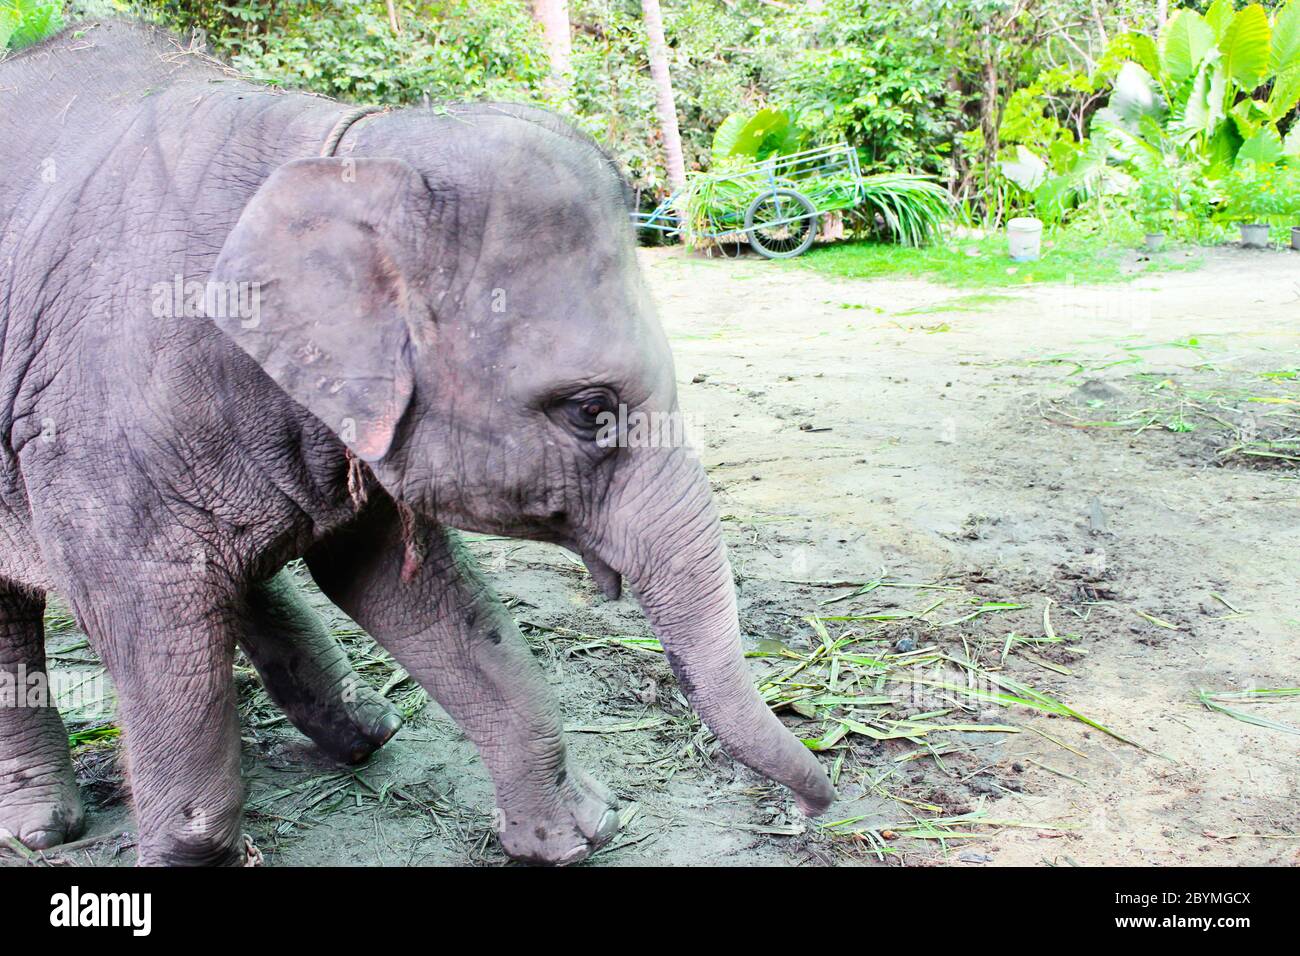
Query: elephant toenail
[42, 839]
[576, 855]
[388, 727]
[607, 828]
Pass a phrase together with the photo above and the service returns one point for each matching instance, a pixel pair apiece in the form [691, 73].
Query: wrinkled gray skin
[450, 300]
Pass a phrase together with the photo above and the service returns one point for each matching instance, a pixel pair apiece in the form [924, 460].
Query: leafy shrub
[1172, 196]
[1262, 193]
[1199, 83]
[25, 22]
[877, 75]
[452, 49]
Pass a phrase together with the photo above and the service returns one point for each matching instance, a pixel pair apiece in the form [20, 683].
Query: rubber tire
[800, 200]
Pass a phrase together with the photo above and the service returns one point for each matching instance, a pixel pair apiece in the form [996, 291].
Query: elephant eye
[588, 411]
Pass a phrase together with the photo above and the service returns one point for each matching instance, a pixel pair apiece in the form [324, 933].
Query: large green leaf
[1133, 95]
[747, 138]
[1249, 115]
[1291, 145]
[1184, 41]
[1144, 50]
[1125, 145]
[1204, 109]
[728, 132]
[25, 22]
[1246, 47]
[9, 20]
[1053, 199]
[1219, 16]
[767, 129]
[1027, 170]
[1284, 55]
[1221, 151]
[1264, 147]
[1285, 94]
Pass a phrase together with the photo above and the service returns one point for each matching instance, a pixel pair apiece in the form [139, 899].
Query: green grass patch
[975, 302]
[974, 263]
[94, 735]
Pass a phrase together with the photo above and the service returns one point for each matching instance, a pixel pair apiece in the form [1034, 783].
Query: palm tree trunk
[665, 102]
[553, 16]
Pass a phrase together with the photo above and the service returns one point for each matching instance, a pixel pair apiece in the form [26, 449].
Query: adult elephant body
[221, 350]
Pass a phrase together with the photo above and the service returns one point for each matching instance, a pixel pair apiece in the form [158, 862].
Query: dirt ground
[989, 548]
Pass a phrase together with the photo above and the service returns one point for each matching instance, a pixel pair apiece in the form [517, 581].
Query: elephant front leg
[39, 803]
[444, 625]
[307, 673]
[171, 661]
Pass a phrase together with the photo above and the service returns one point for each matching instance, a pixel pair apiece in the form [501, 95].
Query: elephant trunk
[673, 556]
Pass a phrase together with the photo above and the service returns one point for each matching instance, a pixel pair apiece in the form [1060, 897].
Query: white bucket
[1024, 238]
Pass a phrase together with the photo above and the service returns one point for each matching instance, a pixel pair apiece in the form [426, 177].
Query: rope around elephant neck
[414, 529]
[344, 124]
[357, 471]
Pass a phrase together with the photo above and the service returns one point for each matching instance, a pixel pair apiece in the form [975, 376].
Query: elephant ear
[322, 282]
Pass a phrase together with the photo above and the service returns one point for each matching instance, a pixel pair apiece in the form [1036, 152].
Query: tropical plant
[1218, 85]
[746, 137]
[1262, 192]
[1156, 202]
[1028, 120]
[24, 22]
[1045, 165]
[1172, 196]
[912, 208]
[1053, 193]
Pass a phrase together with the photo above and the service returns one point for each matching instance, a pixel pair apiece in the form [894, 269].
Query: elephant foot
[355, 728]
[307, 673]
[42, 822]
[39, 803]
[567, 828]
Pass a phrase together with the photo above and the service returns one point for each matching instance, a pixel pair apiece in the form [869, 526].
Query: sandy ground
[1055, 492]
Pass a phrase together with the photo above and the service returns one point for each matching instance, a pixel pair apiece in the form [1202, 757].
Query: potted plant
[1157, 198]
[1287, 190]
[1171, 199]
[1290, 199]
[1258, 194]
[1155, 222]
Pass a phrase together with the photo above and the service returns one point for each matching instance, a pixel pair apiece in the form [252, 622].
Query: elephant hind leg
[39, 803]
[309, 676]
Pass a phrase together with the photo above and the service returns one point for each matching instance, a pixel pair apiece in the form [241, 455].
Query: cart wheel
[781, 224]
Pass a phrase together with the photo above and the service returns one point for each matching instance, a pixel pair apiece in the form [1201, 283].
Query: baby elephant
[240, 326]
